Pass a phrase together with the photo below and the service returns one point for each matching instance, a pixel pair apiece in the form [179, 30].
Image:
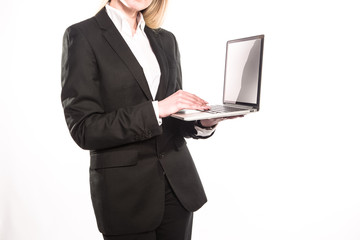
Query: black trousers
[176, 223]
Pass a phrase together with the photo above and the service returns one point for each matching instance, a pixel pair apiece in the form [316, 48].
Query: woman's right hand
[181, 100]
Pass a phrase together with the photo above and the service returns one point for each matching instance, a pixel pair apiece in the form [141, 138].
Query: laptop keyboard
[222, 109]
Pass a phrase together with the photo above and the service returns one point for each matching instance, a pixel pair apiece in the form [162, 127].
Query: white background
[290, 171]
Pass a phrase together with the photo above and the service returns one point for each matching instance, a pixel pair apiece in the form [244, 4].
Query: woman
[121, 79]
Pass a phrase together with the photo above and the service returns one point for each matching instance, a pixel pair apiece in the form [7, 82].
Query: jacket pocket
[113, 159]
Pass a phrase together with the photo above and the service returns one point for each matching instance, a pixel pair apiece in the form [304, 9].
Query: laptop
[242, 81]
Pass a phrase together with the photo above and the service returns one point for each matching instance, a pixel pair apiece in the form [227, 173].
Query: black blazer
[108, 110]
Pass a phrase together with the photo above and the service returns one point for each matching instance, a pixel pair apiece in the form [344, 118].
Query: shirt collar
[120, 22]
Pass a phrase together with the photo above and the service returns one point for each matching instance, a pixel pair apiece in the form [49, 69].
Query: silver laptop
[242, 81]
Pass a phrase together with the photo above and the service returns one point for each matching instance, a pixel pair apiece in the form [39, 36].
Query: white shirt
[140, 47]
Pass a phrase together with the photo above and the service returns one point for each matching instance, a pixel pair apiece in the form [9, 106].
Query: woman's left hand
[214, 121]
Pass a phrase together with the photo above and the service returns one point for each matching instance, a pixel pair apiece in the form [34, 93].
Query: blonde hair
[153, 15]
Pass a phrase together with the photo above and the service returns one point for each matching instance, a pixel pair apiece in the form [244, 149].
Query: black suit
[108, 109]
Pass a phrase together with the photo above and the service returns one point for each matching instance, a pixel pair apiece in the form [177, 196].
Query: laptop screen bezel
[257, 104]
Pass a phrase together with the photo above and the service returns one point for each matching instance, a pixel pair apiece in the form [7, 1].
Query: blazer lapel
[157, 47]
[119, 45]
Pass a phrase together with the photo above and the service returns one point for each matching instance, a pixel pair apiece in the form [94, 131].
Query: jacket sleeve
[188, 129]
[90, 126]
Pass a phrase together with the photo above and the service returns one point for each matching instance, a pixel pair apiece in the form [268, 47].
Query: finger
[191, 103]
[192, 100]
[193, 106]
[192, 97]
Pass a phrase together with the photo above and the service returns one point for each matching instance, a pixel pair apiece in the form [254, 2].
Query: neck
[129, 13]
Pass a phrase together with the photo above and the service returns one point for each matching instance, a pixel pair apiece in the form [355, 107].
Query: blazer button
[161, 155]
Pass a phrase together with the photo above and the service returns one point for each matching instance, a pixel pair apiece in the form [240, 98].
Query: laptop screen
[243, 71]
